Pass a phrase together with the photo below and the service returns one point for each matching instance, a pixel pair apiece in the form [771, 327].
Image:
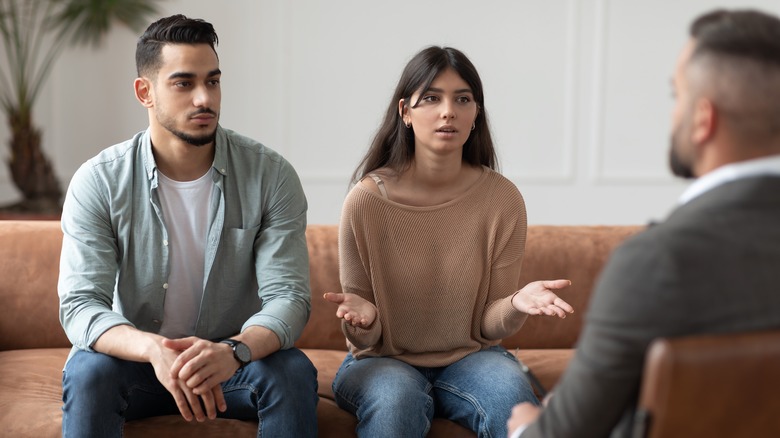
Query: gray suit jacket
[712, 267]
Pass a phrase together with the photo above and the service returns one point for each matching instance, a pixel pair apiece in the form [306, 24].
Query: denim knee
[96, 376]
[96, 390]
[389, 397]
[284, 370]
[480, 390]
[280, 391]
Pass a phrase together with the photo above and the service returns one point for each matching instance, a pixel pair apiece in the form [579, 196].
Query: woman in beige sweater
[430, 248]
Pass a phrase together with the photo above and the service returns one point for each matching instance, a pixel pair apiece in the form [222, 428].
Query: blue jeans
[391, 398]
[100, 392]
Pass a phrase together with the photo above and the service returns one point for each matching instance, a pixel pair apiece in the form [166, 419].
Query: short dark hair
[747, 34]
[393, 145]
[176, 29]
[736, 56]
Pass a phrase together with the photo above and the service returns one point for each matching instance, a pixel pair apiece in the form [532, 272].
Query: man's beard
[200, 140]
[677, 164]
[195, 140]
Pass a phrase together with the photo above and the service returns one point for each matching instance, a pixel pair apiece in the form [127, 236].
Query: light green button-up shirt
[115, 262]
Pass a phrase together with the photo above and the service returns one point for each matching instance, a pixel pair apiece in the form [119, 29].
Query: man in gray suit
[712, 266]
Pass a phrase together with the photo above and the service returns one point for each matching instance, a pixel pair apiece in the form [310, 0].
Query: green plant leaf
[92, 19]
[35, 32]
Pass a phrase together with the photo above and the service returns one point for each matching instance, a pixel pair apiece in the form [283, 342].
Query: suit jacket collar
[743, 193]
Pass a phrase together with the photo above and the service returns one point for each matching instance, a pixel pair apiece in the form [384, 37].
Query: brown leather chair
[725, 385]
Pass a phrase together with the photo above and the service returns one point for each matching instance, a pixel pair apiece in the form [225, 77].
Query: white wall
[577, 92]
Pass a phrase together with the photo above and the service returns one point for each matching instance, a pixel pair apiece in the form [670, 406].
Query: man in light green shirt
[184, 276]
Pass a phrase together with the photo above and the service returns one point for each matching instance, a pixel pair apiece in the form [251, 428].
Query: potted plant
[34, 33]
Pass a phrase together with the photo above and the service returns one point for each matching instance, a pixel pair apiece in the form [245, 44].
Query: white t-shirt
[185, 206]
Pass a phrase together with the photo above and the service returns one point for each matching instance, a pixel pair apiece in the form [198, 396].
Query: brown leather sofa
[33, 346]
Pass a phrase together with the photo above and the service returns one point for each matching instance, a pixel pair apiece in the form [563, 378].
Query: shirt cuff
[519, 431]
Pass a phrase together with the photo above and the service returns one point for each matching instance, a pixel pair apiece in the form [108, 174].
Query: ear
[143, 91]
[403, 110]
[705, 121]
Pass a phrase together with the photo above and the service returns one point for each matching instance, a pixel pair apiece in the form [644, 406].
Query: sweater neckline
[482, 178]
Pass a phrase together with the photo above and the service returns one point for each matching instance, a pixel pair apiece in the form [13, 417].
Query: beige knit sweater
[441, 277]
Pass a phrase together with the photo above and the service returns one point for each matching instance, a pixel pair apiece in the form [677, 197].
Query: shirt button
[165, 285]
[165, 242]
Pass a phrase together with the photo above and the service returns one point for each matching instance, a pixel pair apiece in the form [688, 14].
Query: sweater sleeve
[354, 272]
[500, 318]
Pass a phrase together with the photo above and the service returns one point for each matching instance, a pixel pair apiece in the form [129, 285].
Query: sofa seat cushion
[327, 363]
[31, 391]
[176, 426]
[31, 397]
[546, 364]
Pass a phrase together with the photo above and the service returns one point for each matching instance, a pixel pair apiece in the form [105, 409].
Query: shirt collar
[756, 167]
[146, 153]
[220, 151]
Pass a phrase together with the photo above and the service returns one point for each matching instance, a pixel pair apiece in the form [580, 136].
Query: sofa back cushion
[574, 252]
[323, 330]
[29, 266]
[577, 253]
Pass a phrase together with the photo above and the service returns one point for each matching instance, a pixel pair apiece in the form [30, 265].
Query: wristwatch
[240, 351]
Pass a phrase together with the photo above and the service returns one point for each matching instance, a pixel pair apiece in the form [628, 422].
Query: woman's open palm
[539, 298]
[354, 309]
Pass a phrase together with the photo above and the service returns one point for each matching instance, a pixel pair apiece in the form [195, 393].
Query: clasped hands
[536, 298]
[192, 370]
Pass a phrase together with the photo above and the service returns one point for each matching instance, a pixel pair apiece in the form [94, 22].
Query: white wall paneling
[577, 92]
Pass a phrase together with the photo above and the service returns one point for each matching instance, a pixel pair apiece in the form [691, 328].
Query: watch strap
[234, 344]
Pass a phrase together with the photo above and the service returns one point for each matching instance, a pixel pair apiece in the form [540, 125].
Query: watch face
[242, 353]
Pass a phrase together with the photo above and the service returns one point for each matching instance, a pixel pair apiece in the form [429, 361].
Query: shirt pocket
[237, 262]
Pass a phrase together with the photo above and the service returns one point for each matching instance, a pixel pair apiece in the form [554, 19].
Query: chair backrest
[725, 385]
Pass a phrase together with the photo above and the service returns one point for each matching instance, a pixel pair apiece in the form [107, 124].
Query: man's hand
[353, 309]
[187, 401]
[538, 298]
[202, 366]
[128, 343]
[522, 415]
